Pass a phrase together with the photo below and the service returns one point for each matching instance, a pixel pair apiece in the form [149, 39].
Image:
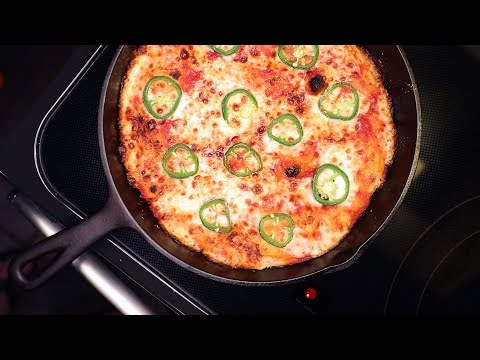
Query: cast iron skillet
[123, 208]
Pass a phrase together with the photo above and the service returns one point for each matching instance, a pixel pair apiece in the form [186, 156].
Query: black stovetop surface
[446, 176]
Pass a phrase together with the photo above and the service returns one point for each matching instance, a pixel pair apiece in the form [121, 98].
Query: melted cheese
[362, 147]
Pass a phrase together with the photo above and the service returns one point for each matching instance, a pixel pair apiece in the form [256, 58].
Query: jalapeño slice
[339, 102]
[330, 185]
[286, 130]
[161, 96]
[238, 107]
[277, 229]
[241, 160]
[225, 50]
[301, 57]
[180, 161]
[215, 216]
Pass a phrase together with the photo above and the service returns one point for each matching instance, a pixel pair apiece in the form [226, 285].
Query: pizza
[256, 156]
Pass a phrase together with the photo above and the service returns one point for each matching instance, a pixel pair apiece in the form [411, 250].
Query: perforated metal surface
[449, 98]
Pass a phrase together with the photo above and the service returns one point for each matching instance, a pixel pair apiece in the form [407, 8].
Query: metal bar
[88, 264]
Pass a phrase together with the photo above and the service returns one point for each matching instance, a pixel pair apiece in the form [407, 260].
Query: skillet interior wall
[400, 88]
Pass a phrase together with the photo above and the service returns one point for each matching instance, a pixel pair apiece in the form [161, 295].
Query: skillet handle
[68, 244]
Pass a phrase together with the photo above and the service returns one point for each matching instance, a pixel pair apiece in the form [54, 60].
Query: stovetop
[416, 265]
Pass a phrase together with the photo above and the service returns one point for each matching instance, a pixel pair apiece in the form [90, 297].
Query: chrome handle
[88, 264]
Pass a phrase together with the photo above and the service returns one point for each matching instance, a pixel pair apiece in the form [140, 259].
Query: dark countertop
[53, 69]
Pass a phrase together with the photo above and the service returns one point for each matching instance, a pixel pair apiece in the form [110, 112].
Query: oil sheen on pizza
[362, 147]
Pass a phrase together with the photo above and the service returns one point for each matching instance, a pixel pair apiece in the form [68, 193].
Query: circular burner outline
[415, 244]
[438, 266]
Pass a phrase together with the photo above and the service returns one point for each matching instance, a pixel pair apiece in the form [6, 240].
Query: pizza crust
[362, 147]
